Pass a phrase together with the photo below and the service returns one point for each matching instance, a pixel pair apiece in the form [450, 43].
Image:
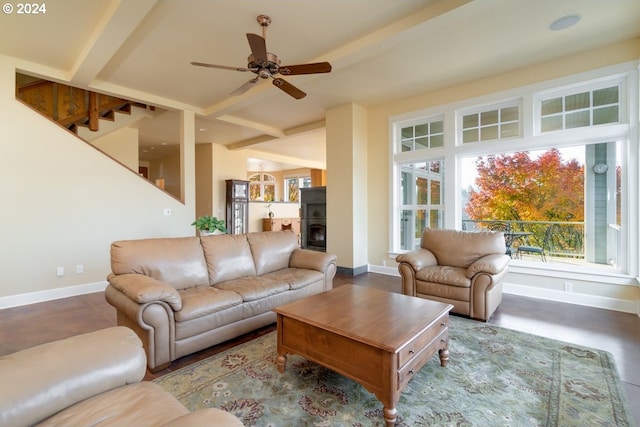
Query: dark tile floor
[615, 332]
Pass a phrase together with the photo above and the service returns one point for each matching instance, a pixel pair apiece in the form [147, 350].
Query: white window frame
[625, 133]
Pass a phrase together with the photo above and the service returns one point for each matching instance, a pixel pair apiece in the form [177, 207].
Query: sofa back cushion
[272, 249]
[461, 248]
[177, 261]
[228, 257]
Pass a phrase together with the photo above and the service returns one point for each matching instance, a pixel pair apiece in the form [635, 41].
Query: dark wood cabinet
[237, 206]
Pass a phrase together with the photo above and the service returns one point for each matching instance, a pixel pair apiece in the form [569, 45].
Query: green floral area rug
[495, 377]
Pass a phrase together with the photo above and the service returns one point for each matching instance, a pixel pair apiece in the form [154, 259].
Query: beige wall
[204, 183]
[122, 145]
[64, 202]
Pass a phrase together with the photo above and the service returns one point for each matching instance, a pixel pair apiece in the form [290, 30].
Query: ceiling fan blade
[258, 47]
[222, 67]
[315, 68]
[288, 88]
[245, 87]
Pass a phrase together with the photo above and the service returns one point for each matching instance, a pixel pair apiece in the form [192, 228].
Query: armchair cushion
[454, 276]
[462, 248]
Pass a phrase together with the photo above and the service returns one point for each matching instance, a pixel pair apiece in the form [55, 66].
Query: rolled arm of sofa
[144, 289]
[312, 260]
[418, 259]
[38, 382]
[490, 264]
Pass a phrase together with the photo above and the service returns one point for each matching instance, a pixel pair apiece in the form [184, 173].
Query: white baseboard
[616, 304]
[52, 294]
[595, 301]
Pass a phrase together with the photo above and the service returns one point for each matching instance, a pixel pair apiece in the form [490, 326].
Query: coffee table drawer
[406, 372]
[417, 344]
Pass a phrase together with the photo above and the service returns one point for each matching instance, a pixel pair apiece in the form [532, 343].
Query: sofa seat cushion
[205, 300]
[254, 288]
[141, 404]
[296, 278]
[454, 276]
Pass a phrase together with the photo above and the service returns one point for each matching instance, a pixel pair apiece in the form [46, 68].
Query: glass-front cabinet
[237, 206]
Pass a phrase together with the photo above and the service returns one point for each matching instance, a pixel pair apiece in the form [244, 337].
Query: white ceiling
[380, 51]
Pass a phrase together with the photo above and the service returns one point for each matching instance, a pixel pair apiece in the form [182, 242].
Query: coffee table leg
[281, 362]
[444, 356]
[390, 416]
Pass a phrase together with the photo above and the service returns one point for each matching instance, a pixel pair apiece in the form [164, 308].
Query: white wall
[64, 202]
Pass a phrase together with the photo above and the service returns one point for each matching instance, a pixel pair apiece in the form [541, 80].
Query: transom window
[422, 135]
[588, 108]
[262, 187]
[494, 123]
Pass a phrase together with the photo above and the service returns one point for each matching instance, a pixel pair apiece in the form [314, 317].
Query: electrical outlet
[166, 211]
[59, 271]
[568, 287]
[79, 269]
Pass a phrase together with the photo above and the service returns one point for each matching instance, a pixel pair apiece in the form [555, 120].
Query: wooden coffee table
[379, 339]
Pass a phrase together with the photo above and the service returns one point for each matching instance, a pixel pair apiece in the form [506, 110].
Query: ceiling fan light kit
[267, 65]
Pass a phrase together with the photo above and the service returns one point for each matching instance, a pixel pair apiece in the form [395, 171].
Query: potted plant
[207, 225]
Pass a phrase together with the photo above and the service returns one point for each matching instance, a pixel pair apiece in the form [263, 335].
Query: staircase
[89, 115]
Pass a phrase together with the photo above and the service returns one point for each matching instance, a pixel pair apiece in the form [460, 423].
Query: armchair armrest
[38, 382]
[144, 289]
[418, 259]
[311, 260]
[490, 264]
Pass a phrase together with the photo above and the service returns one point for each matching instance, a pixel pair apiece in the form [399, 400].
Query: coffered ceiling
[380, 51]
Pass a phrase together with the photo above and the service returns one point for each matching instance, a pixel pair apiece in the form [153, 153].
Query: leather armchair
[91, 379]
[462, 268]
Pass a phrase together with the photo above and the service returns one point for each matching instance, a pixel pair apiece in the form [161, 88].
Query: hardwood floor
[615, 332]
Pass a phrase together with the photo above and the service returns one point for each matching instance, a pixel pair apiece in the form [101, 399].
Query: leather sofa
[462, 268]
[184, 294]
[91, 379]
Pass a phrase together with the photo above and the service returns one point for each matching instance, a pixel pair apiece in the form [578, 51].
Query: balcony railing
[556, 239]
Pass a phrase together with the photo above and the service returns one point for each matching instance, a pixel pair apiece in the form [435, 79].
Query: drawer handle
[411, 371]
[444, 325]
[411, 352]
[442, 341]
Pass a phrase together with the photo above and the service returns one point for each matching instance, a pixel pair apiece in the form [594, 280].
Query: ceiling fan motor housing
[272, 65]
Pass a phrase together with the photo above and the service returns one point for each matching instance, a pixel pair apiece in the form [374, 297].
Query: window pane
[470, 121]
[422, 143]
[490, 132]
[437, 127]
[470, 135]
[577, 101]
[406, 225]
[551, 106]
[509, 130]
[407, 132]
[437, 141]
[406, 145]
[421, 223]
[435, 193]
[268, 177]
[551, 123]
[605, 115]
[605, 96]
[269, 193]
[254, 191]
[577, 119]
[422, 130]
[421, 191]
[436, 219]
[489, 117]
[509, 114]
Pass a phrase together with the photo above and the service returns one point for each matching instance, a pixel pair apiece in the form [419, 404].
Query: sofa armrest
[144, 289]
[38, 382]
[311, 260]
[206, 417]
[418, 259]
[490, 264]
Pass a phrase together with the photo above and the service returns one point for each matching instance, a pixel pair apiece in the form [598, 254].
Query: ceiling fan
[265, 64]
